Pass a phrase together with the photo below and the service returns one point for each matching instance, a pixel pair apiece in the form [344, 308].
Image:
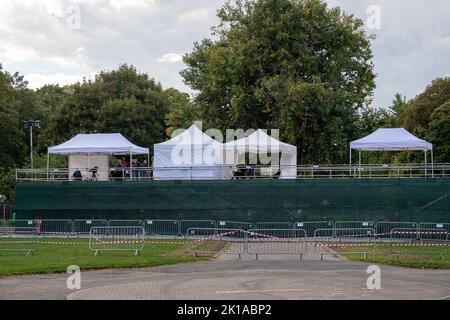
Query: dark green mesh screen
[242, 200]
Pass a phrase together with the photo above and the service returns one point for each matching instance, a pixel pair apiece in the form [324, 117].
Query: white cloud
[120, 4]
[37, 80]
[171, 58]
[11, 53]
[77, 59]
[197, 17]
[411, 49]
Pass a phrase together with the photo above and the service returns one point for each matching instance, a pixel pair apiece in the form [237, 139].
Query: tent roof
[112, 143]
[395, 139]
[191, 136]
[260, 141]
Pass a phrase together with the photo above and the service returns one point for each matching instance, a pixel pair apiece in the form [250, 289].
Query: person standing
[38, 224]
[142, 172]
[135, 166]
[13, 218]
[152, 168]
[123, 166]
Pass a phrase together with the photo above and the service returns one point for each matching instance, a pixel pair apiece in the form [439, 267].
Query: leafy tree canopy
[121, 100]
[298, 66]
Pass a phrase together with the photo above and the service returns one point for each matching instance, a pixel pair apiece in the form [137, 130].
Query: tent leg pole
[359, 166]
[131, 166]
[148, 174]
[426, 164]
[48, 163]
[432, 164]
[350, 168]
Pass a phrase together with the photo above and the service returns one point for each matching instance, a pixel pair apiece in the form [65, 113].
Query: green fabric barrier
[239, 200]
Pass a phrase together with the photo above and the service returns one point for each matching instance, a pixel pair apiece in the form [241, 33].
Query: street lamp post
[30, 124]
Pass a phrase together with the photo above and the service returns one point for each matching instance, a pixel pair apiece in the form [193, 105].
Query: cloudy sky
[61, 41]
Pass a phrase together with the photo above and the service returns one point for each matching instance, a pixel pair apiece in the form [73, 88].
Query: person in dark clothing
[38, 224]
[142, 171]
[94, 173]
[77, 176]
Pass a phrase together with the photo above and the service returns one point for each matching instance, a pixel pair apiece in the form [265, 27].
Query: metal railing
[185, 225]
[343, 171]
[433, 225]
[311, 226]
[84, 226]
[174, 227]
[424, 241]
[343, 237]
[116, 239]
[277, 241]
[6, 211]
[274, 225]
[220, 237]
[235, 225]
[162, 228]
[215, 240]
[340, 235]
[384, 228]
[125, 223]
[16, 239]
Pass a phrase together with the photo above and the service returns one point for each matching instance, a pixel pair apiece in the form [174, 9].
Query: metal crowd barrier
[340, 235]
[384, 228]
[84, 226]
[21, 223]
[19, 239]
[433, 225]
[276, 241]
[185, 225]
[170, 227]
[426, 241]
[116, 239]
[343, 237]
[161, 228]
[125, 223]
[47, 227]
[235, 225]
[274, 225]
[217, 240]
[354, 224]
[57, 227]
[311, 226]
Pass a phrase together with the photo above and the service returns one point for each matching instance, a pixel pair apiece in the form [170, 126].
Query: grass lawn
[384, 255]
[57, 257]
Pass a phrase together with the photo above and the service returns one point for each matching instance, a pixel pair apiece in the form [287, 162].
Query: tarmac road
[267, 278]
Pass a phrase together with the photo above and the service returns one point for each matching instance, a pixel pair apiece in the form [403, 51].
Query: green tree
[182, 111]
[294, 65]
[78, 113]
[141, 122]
[370, 119]
[8, 184]
[121, 100]
[49, 98]
[416, 115]
[12, 145]
[439, 132]
[398, 103]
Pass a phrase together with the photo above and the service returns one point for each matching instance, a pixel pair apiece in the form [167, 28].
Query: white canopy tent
[192, 155]
[391, 139]
[260, 142]
[88, 150]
